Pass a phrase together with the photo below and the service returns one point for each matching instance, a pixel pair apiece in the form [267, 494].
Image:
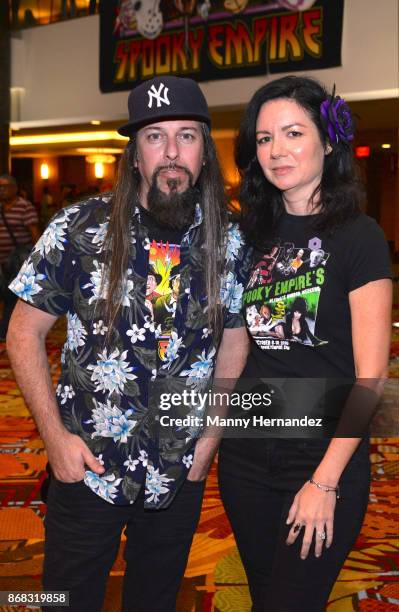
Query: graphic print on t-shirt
[283, 293]
[163, 284]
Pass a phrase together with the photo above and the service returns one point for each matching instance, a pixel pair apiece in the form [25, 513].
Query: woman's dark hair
[214, 226]
[261, 202]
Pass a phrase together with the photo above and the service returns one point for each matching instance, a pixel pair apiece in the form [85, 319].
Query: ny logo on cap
[157, 94]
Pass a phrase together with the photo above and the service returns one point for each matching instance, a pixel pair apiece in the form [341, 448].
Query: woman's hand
[312, 510]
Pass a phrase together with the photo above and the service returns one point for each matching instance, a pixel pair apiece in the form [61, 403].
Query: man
[112, 466]
[19, 226]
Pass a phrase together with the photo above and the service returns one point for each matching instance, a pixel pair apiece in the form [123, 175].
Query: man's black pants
[258, 480]
[82, 541]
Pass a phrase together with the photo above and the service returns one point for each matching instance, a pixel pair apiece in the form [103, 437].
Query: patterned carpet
[214, 580]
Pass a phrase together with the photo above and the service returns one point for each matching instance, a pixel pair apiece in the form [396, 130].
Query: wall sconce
[44, 171]
[99, 160]
[99, 170]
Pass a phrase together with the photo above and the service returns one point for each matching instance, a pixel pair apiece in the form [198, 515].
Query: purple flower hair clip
[337, 120]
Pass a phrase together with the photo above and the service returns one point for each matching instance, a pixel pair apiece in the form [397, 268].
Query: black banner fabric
[258, 40]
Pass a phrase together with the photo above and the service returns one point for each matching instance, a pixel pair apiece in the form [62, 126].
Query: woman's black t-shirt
[296, 302]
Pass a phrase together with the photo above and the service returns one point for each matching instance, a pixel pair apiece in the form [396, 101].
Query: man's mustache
[171, 166]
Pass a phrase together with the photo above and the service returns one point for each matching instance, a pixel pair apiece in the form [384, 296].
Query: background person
[299, 188]
[18, 228]
[47, 206]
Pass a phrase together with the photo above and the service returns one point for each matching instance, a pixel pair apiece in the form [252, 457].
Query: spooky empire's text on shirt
[282, 296]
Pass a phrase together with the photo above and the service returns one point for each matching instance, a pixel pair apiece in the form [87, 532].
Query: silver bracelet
[326, 488]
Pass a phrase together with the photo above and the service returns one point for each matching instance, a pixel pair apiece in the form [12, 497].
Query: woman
[299, 195]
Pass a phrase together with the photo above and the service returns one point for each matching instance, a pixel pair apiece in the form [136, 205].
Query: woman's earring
[328, 149]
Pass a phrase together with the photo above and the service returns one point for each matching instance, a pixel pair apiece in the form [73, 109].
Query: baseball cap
[162, 98]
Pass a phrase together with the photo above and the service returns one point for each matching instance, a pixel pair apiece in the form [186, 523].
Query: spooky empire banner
[215, 39]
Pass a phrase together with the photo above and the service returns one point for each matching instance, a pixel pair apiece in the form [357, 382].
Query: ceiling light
[43, 139]
[95, 122]
[386, 146]
[100, 158]
[39, 139]
[88, 150]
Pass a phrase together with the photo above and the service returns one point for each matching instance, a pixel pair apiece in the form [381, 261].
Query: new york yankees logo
[158, 96]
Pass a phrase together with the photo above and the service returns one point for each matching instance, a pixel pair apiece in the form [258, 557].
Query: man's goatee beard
[173, 210]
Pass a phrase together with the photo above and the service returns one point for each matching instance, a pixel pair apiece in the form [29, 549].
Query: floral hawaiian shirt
[105, 392]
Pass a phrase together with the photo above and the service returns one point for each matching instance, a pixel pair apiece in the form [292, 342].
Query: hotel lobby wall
[55, 69]
[382, 184]
[225, 152]
[69, 169]
[380, 174]
[52, 182]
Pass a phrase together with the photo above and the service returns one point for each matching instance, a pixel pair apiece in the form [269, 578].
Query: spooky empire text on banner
[215, 39]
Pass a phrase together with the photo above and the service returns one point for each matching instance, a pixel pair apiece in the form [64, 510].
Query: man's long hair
[118, 239]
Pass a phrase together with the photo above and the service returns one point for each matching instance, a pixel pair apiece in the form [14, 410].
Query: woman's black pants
[258, 480]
